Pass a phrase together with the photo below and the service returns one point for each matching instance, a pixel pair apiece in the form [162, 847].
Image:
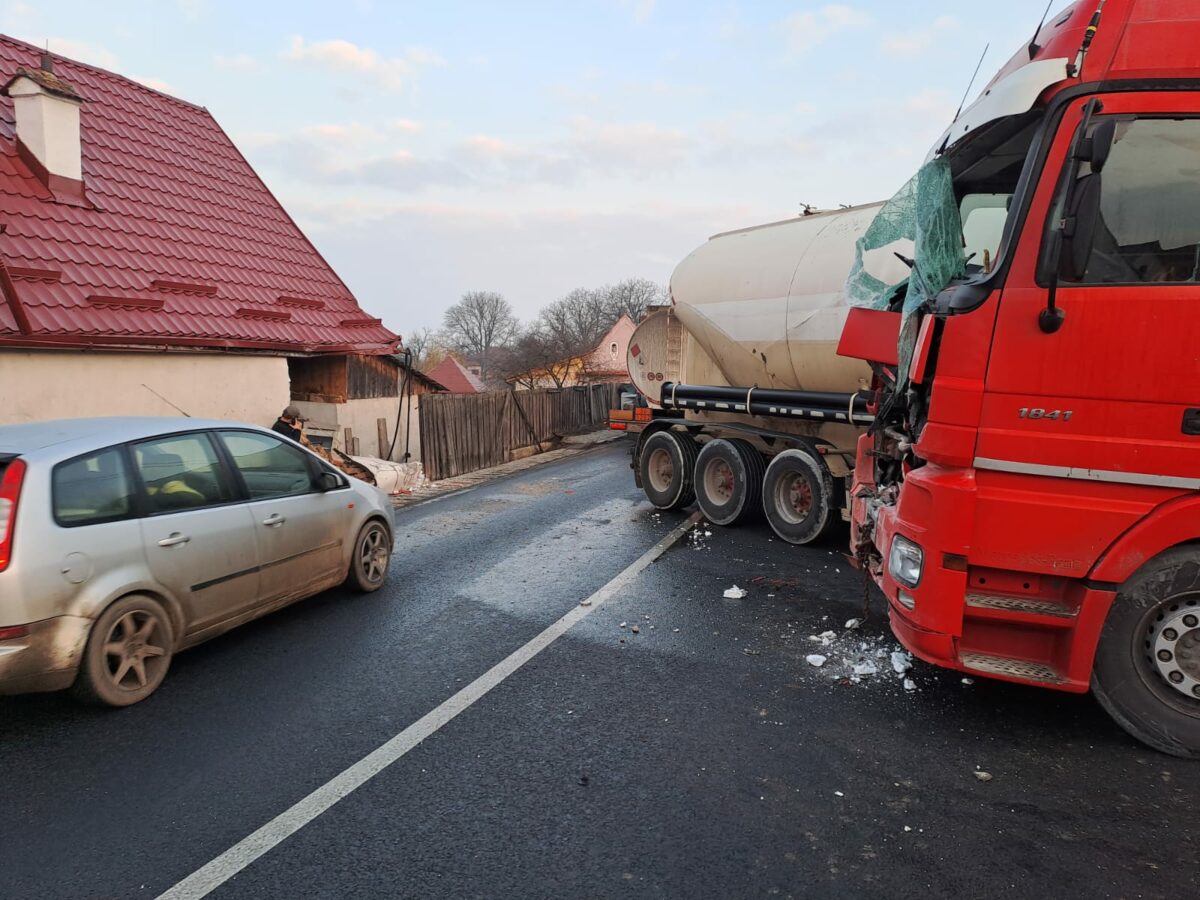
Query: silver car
[123, 541]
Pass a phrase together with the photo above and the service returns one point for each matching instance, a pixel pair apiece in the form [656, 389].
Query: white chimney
[47, 113]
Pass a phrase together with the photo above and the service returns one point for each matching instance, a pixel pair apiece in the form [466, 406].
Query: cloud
[156, 83]
[406, 126]
[361, 154]
[193, 9]
[530, 257]
[85, 52]
[239, 62]
[643, 10]
[392, 72]
[915, 41]
[803, 31]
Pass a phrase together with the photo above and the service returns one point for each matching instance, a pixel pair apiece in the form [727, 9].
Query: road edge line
[224, 867]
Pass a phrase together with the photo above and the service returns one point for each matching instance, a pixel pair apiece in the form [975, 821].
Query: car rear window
[92, 488]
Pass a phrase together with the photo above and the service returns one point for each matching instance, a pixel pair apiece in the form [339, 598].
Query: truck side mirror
[1079, 229]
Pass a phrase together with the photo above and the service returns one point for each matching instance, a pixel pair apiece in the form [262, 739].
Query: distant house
[456, 377]
[606, 363]
[145, 268]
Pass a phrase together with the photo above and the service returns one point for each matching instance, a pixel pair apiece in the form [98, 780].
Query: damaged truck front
[1028, 496]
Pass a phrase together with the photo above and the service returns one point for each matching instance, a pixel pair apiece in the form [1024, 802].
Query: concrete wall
[361, 416]
[37, 385]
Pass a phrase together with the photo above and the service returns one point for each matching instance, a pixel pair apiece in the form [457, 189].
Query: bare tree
[533, 359]
[575, 323]
[419, 343]
[631, 297]
[478, 323]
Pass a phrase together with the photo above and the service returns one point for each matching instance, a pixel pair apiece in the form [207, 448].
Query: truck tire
[729, 479]
[797, 497]
[1147, 668]
[667, 465]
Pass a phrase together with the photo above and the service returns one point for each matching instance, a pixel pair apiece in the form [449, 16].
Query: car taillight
[10, 493]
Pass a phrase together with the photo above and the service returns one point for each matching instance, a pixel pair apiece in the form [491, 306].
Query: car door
[197, 531]
[301, 529]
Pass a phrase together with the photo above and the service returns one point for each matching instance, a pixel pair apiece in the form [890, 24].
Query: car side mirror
[327, 481]
[1079, 229]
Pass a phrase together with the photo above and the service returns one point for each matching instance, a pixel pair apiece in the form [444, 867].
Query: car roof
[63, 437]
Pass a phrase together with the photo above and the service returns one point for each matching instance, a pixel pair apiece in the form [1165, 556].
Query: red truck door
[1105, 411]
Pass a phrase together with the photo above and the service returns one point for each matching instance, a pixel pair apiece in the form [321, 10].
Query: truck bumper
[45, 658]
[1014, 626]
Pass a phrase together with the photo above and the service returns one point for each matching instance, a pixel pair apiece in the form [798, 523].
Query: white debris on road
[853, 623]
[909, 684]
[735, 593]
[984, 776]
[867, 667]
[901, 661]
[816, 659]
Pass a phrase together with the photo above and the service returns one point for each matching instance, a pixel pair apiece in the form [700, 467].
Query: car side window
[91, 489]
[269, 467]
[181, 472]
[1148, 228]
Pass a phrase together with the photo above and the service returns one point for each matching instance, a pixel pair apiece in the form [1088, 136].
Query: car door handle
[174, 539]
[274, 520]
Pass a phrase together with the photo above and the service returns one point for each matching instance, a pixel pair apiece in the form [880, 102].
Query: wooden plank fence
[464, 432]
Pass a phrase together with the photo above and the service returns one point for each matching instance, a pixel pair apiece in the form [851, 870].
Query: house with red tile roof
[145, 268]
[456, 378]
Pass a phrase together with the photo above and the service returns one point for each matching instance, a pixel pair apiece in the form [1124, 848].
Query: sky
[429, 149]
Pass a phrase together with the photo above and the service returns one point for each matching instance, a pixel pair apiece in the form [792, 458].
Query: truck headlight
[906, 561]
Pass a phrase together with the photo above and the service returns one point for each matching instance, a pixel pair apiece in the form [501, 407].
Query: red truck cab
[1029, 497]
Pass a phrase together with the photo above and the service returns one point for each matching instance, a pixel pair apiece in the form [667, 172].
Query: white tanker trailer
[752, 408]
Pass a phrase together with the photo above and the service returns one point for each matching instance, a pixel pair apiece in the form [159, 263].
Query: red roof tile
[457, 380]
[173, 210]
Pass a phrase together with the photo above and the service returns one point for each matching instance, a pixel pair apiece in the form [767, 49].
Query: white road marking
[215, 873]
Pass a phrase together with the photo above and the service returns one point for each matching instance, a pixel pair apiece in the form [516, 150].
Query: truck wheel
[667, 465]
[797, 497]
[1147, 669]
[729, 478]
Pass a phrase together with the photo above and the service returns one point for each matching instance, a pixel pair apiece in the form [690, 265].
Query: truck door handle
[1191, 421]
[174, 539]
[274, 520]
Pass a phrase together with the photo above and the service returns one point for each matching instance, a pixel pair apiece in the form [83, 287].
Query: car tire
[128, 653]
[667, 465]
[797, 497]
[371, 557]
[729, 479]
[1147, 668]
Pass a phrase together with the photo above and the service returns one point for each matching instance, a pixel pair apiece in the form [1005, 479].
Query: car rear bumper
[46, 658]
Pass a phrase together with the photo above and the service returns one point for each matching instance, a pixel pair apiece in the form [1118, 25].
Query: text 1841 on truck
[750, 407]
[1028, 497]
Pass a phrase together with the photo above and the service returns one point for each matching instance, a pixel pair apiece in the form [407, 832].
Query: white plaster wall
[360, 416]
[58, 385]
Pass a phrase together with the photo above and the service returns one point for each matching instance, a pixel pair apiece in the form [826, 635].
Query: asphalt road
[701, 757]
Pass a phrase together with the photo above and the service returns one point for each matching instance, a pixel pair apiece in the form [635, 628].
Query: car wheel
[667, 463]
[128, 653]
[729, 479]
[796, 497]
[372, 556]
[1147, 668]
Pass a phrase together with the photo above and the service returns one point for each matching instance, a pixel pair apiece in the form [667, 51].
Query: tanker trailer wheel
[797, 497]
[667, 465]
[1147, 668]
[729, 478]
